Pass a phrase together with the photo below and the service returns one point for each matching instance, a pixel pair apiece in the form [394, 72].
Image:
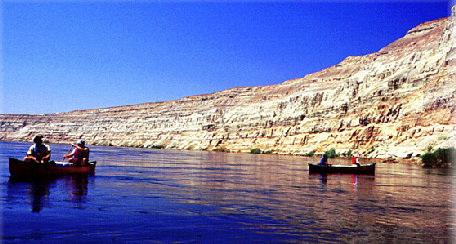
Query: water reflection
[354, 179]
[78, 187]
[216, 197]
[323, 180]
[37, 190]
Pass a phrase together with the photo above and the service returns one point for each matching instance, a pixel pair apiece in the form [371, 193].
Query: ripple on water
[178, 196]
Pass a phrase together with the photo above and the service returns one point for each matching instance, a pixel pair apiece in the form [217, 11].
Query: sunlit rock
[397, 102]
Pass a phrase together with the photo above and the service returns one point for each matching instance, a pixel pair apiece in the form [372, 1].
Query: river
[164, 196]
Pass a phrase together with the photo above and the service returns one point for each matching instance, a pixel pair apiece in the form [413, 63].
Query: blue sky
[62, 56]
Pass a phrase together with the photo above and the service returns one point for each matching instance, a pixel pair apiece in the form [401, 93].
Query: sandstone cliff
[392, 103]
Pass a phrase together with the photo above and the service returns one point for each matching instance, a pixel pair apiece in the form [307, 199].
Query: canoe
[344, 169]
[19, 168]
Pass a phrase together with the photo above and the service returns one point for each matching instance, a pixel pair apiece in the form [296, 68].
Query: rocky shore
[396, 103]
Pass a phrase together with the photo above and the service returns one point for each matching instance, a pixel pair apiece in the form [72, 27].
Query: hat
[36, 138]
[80, 143]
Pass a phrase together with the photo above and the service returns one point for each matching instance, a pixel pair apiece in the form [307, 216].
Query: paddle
[69, 150]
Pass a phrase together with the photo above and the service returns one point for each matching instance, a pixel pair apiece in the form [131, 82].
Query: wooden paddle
[69, 150]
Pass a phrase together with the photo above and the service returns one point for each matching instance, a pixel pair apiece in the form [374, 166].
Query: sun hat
[36, 138]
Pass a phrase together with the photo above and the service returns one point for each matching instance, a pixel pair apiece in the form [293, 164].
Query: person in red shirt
[355, 159]
[80, 154]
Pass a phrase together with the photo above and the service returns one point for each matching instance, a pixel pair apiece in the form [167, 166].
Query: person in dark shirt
[324, 160]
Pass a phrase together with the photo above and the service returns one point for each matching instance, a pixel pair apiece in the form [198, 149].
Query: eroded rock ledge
[396, 102]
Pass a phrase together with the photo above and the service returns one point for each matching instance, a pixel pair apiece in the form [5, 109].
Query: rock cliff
[396, 102]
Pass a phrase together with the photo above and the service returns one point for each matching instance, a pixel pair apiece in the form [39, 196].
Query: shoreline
[393, 160]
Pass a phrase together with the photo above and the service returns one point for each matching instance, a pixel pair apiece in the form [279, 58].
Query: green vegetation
[439, 158]
[311, 153]
[331, 153]
[350, 153]
[259, 151]
[157, 147]
[219, 150]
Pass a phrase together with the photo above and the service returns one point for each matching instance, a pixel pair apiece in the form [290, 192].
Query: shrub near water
[439, 158]
[255, 151]
[311, 153]
[331, 153]
[429, 159]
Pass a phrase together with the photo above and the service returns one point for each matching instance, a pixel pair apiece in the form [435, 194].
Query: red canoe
[19, 168]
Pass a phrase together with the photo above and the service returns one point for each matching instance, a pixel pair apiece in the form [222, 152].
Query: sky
[60, 56]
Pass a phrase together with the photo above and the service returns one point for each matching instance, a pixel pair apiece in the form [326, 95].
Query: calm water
[167, 196]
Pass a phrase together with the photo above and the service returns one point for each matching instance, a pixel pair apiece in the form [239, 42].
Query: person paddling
[38, 153]
[80, 155]
[355, 160]
[324, 160]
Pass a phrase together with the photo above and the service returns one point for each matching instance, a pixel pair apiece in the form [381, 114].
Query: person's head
[81, 143]
[38, 139]
[324, 155]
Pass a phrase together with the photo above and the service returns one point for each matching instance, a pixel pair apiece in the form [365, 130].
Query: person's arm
[81, 148]
[48, 152]
[84, 150]
[71, 154]
[30, 153]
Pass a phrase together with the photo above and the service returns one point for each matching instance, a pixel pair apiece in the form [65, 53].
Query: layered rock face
[398, 101]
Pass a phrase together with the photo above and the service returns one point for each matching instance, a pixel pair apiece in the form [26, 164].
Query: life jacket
[354, 159]
[80, 154]
[85, 153]
[39, 153]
